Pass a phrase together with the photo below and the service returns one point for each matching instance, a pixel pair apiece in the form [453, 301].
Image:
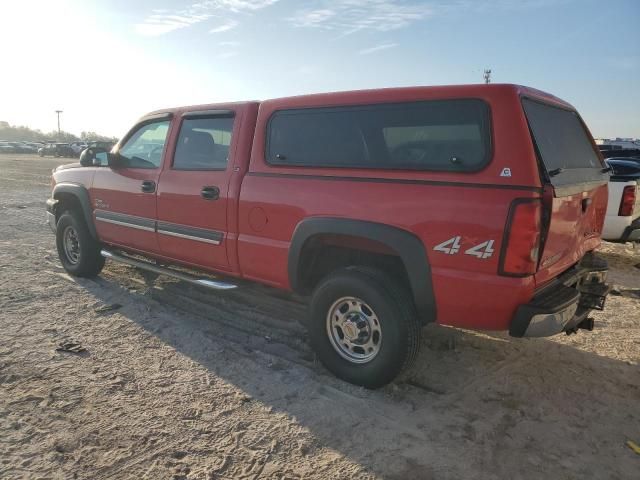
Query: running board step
[185, 277]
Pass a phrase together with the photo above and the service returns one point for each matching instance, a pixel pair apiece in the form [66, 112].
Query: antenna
[487, 75]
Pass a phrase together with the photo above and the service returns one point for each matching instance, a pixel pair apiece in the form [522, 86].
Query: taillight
[521, 241]
[628, 201]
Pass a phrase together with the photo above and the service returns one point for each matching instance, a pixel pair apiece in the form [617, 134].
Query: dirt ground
[182, 383]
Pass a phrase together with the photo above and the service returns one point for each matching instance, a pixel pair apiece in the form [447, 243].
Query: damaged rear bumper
[564, 305]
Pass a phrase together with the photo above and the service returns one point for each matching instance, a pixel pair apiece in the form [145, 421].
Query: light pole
[58, 112]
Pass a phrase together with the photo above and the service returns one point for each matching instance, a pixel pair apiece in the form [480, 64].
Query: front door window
[145, 147]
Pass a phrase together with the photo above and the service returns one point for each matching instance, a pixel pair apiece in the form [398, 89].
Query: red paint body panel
[179, 201]
[421, 209]
[119, 190]
[261, 205]
[574, 232]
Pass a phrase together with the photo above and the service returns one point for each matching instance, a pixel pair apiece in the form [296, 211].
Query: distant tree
[63, 136]
[94, 137]
[26, 134]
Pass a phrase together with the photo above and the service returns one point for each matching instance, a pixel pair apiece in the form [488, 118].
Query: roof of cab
[383, 95]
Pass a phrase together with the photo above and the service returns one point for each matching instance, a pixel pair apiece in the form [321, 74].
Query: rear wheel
[79, 252]
[363, 326]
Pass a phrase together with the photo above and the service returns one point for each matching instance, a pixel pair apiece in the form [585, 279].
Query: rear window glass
[436, 135]
[561, 139]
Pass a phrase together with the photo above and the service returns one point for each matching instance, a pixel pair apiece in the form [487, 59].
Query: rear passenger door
[192, 198]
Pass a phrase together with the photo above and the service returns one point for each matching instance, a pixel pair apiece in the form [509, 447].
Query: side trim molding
[165, 228]
[190, 233]
[125, 220]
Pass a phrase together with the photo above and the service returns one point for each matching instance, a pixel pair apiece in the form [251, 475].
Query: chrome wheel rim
[354, 330]
[71, 244]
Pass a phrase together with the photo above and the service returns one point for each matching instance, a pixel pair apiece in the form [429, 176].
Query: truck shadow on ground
[472, 402]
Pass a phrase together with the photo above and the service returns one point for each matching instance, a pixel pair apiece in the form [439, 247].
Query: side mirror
[101, 159]
[97, 157]
[87, 157]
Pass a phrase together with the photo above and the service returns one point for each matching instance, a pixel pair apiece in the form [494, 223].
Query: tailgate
[575, 197]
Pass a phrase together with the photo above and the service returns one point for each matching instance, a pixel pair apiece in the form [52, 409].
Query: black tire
[84, 260]
[392, 311]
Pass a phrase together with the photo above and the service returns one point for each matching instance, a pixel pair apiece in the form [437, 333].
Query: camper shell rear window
[560, 138]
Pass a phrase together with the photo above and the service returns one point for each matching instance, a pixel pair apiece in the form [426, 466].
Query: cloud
[236, 5]
[159, 24]
[225, 27]
[163, 21]
[314, 18]
[350, 16]
[344, 16]
[229, 43]
[377, 48]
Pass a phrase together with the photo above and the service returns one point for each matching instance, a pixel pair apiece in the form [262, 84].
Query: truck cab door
[193, 192]
[123, 194]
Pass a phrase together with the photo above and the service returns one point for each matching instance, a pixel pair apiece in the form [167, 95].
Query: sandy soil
[185, 384]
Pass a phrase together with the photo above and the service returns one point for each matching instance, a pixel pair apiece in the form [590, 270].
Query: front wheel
[363, 326]
[79, 252]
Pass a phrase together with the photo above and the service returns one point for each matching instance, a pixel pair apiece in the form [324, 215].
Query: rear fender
[406, 245]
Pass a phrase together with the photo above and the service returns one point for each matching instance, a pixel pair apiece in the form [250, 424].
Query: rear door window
[451, 135]
[561, 139]
[203, 144]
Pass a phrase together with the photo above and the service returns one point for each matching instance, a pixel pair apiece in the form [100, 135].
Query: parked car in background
[78, 147]
[101, 145]
[6, 147]
[622, 220]
[16, 147]
[56, 150]
[29, 147]
[630, 153]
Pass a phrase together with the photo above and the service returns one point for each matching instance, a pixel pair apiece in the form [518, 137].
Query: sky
[105, 63]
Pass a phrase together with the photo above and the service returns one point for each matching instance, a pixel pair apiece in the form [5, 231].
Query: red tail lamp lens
[521, 247]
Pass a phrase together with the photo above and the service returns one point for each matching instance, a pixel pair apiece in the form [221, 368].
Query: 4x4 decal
[449, 247]
[482, 250]
[452, 246]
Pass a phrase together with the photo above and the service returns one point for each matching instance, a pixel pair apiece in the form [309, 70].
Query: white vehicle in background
[622, 220]
[78, 147]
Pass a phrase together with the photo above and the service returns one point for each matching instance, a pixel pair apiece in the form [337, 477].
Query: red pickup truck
[474, 206]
